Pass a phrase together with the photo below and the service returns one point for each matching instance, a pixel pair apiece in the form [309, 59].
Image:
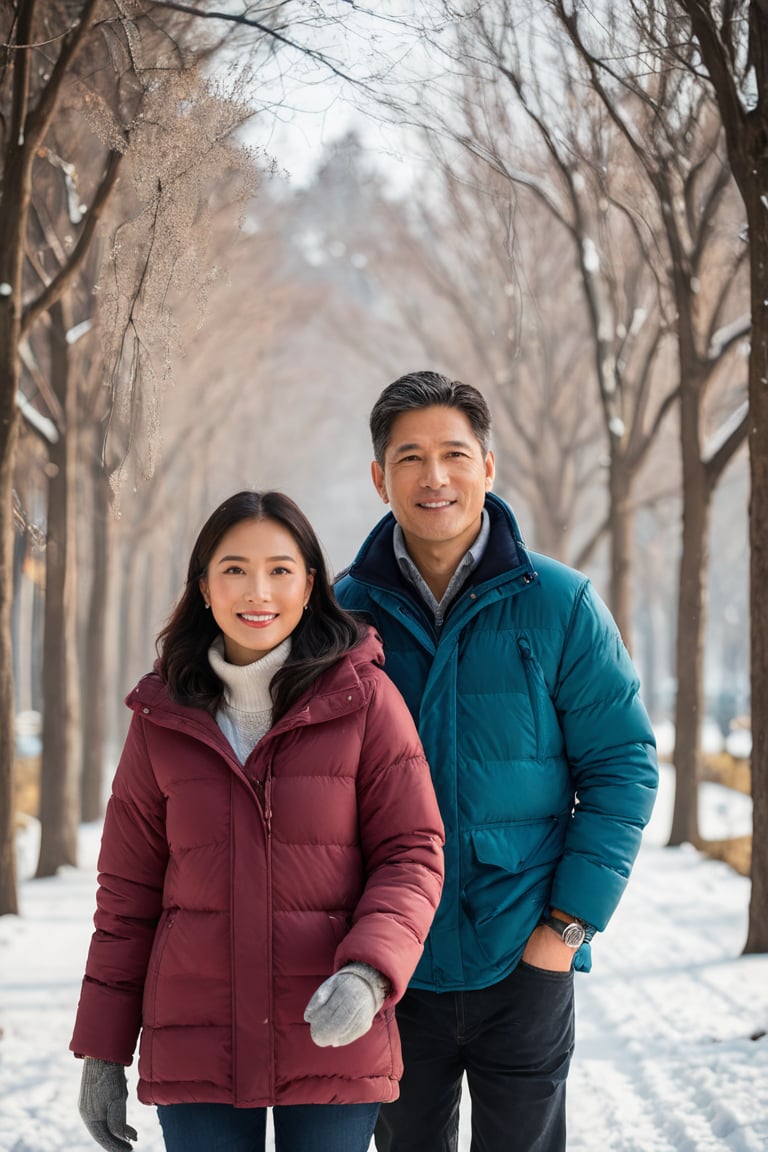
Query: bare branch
[39, 119]
[715, 465]
[266, 29]
[718, 63]
[66, 275]
[731, 334]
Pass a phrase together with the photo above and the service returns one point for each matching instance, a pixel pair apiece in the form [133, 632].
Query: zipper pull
[267, 784]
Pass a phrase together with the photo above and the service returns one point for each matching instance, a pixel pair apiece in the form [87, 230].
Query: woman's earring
[207, 605]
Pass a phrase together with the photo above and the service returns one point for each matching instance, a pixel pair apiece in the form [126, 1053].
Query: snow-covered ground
[671, 1052]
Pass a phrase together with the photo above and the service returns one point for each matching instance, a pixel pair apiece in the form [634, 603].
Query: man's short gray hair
[427, 390]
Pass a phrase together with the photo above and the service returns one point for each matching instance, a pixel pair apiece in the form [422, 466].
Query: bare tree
[671, 125]
[732, 42]
[29, 105]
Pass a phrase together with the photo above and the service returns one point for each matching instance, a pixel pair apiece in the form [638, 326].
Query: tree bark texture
[691, 610]
[14, 208]
[8, 436]
[59, 777]
[620, 527]
[94, 672]
[757, 215]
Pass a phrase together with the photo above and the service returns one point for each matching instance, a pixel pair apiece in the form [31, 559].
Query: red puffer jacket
[227, 894]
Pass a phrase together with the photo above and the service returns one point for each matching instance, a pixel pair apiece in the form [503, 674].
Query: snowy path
[664, 1059]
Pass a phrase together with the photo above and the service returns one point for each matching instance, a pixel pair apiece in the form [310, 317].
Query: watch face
[573, 935]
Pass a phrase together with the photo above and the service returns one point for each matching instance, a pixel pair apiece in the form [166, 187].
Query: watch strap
[567, 929]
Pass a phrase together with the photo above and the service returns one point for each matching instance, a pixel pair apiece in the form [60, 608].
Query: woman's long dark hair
[324, 633]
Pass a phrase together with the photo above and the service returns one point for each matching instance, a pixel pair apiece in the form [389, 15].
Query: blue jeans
[513, 1040]
[298, 1127]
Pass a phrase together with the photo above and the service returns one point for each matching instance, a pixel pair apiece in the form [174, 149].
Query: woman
[270, 864]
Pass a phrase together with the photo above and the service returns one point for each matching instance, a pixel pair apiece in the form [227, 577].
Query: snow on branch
[726, 429]
[40, 423]
[729, 334]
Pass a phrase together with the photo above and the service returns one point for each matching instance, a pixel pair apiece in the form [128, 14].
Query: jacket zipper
[533, 681]
[267, 791]
[266, 785]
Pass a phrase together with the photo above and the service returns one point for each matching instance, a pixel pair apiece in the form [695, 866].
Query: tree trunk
[59, 778]
[95, 678]
[9, 429]
[747, 140]
[757, 936]
[15, 206]
[691, 612]
[620, 529]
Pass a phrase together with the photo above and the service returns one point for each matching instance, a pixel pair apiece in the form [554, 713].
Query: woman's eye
[281, 572]
[233, 570]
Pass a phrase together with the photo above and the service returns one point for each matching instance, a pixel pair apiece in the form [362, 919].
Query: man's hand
[103, 1093]
[545, 949]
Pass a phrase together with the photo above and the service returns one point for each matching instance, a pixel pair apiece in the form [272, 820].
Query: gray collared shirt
[467, 564]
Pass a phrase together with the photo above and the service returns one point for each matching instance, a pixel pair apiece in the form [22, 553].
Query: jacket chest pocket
[548, 735]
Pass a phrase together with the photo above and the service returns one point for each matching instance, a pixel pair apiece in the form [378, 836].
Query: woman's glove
[103, 1093]
[343, 1007]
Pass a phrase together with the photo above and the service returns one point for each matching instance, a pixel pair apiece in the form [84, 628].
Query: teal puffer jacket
[542, 754]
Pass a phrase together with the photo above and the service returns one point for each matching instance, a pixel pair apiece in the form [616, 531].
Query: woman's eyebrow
[244, 559]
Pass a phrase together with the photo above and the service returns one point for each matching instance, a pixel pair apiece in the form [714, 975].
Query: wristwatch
[573, 933]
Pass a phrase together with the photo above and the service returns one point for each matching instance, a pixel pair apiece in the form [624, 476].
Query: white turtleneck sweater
[245, 711]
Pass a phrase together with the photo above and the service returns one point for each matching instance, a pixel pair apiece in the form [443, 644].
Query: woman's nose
[259, 590]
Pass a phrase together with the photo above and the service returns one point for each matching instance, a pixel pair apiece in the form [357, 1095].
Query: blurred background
[231, 225]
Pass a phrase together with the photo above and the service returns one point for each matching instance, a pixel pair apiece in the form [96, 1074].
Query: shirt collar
[467, 564]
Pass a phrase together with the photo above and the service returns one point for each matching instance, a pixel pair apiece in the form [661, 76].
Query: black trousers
[513, 1040]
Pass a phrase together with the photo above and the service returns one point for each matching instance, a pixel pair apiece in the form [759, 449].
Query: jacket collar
[336, 691]
[505, 555]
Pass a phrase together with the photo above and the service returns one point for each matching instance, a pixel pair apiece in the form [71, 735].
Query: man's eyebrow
[443, 444]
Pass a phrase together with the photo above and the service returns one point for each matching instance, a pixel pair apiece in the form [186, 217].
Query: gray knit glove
[103, 1093]
[343, 1007]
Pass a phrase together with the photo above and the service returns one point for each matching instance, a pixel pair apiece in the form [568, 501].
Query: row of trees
[577, 245]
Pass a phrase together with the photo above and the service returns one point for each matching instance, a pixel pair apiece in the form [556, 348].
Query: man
[543, 761]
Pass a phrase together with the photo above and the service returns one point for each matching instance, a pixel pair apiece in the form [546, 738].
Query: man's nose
[434, 474]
